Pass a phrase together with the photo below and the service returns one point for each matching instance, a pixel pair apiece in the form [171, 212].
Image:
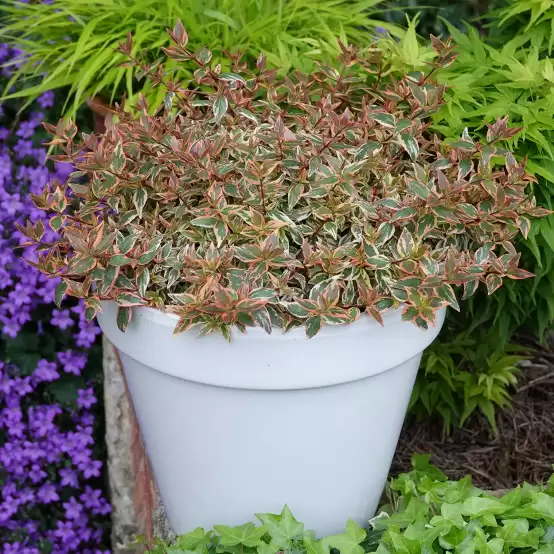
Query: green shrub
[74, 42]
[514, 78]
[427, 513]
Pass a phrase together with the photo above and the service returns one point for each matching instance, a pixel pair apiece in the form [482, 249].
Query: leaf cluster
[73, 43]
[277, 533]
[429, 513]
[426, 513]
[251, 200]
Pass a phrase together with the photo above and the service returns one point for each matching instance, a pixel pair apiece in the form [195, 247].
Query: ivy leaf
[247, 534]
[480, 506]
[191, 541]
[283, 528]
[315, 547]
[348, 542]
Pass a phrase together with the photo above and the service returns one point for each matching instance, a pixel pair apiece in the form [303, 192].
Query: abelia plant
[252, 201]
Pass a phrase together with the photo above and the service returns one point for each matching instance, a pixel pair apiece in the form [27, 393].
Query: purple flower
[90, 468]
[72, 362]
[47, 451]
[36, 474]
[61, 319]
[23, 148]
[86, 398]
[45, 371]
[73, 509]
[47, 494]
[46, 100]
[69, 478]
[91, 498]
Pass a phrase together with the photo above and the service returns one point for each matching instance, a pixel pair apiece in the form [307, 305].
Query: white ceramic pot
[238, 428]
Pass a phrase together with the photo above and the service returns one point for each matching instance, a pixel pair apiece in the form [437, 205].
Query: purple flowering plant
[51, 477]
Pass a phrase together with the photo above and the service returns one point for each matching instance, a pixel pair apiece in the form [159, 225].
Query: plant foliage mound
[427, 513]
[249, 200]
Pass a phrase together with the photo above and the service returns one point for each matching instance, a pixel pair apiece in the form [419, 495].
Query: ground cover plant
[426, 513]
[51, 438]
[74, 42]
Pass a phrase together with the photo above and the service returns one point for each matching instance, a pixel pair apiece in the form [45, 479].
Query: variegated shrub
[249, 200]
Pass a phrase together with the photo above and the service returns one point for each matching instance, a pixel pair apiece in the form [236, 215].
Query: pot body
[268, 420]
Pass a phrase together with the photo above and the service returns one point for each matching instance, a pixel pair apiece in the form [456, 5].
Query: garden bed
[522, 449]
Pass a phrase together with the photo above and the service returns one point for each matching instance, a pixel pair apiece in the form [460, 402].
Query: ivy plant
[253, 201]
[426, 513]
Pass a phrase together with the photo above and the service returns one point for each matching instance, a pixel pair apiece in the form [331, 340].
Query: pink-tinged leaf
[179, 34]
[263, 319]
[464, 145]
[378, 262]
[465, 167]
[124, 316]
[404, 213]
[206, 222]
[128, 299]
[446, 292]
[249, 305]
[483, 253]
[299, 311]
[405, 243]
[121, 260]
[524, 225]
[248, 254]
[184, 324]
[313, 325]
[140, 197]
[92, 307]
[470, 287]
[410, 313]
[520, 274]
[410, 144]
[374, 313]
[220, 231]
[386, 232]
[385, 119]
[59, 293]
[125, 243]
[262, 294]
[220, 108]
[81, 265]
[57, 222]
[493, 283]
[418, 189]
[143, 281]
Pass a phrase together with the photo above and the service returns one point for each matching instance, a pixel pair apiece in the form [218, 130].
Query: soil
[521, 450]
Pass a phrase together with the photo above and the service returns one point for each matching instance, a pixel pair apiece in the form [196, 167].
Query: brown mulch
[522, 450]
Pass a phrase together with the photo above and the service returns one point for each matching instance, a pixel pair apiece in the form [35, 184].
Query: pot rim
[255, 360]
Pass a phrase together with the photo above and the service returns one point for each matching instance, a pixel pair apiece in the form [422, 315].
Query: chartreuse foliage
[516, 79]
[73, 42]
[427, 514]
[253, 201]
